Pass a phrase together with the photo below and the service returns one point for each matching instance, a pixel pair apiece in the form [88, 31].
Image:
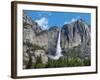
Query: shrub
[87, 62]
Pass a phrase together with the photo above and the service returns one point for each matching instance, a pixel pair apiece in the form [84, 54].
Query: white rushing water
[58, 49]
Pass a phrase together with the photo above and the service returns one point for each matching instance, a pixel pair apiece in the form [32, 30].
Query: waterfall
[58, 49]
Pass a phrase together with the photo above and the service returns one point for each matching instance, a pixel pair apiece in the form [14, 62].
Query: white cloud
[43, 22]
[73, 20]
[65, 22]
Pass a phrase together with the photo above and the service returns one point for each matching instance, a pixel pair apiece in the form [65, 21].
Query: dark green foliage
[36, 47]
[68, 62]
[62, 62]
[87, 62]
[39, 63]
[29, 63]
[74, 61]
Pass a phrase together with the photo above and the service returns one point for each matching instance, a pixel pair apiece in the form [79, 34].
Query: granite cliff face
[75, 41]
[76, 35]
[35, 40]
[52, 40]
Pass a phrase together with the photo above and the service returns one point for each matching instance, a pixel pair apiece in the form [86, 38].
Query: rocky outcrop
[32, 41]
[42, 54]
[76, 34]
[36, 39]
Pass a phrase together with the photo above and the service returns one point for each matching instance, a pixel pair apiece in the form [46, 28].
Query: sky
[47, 19]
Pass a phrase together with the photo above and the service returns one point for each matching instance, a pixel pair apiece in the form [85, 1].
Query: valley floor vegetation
[73, 60]
[61, 62]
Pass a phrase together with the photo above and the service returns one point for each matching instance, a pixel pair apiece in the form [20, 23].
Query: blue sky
[48, 19]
